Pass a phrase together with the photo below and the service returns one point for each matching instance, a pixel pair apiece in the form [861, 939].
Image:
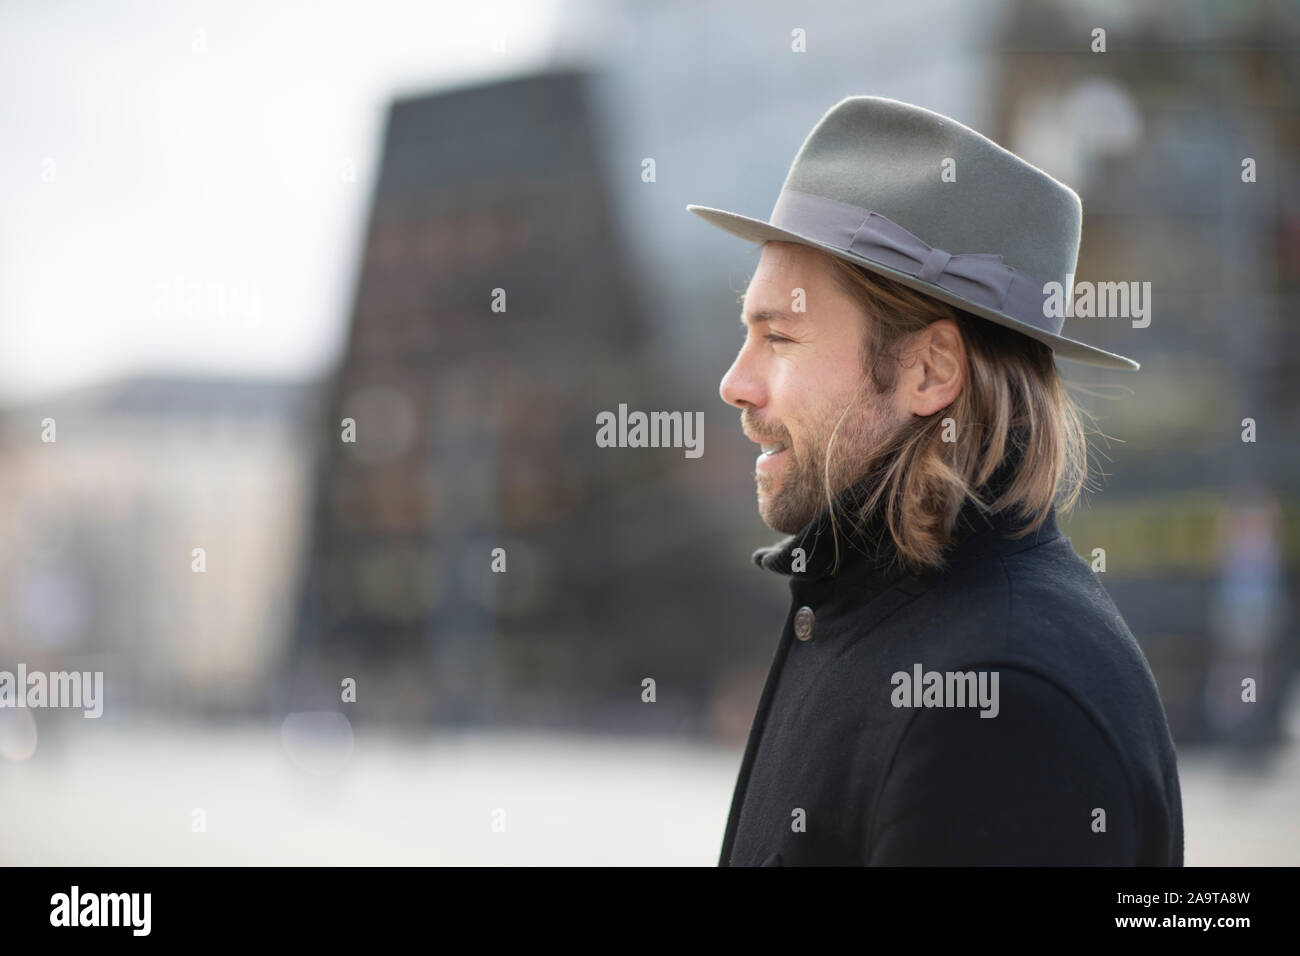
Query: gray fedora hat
[919, 198]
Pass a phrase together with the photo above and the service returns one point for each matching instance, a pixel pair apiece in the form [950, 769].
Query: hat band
[980, 278]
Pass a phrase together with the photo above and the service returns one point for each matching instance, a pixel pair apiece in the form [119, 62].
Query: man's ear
[934, 369]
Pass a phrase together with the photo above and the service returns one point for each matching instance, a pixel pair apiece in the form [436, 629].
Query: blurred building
[495, 317]
[98, 531]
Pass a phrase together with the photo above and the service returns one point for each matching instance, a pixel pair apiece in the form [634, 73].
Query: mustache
[749, 426]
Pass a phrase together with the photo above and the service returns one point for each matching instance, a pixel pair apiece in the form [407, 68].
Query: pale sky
[183, 186]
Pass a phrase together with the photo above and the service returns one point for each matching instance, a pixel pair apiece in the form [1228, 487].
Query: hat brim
[758, 230]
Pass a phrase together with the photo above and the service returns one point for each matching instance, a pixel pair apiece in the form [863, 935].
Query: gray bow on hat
[866, 187]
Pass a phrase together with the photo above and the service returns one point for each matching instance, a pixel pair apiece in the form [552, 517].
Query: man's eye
[773, 337]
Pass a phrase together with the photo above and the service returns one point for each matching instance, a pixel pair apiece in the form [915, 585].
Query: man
[953, 686]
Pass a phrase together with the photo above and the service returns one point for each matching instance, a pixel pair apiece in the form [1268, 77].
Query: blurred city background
[228, 228]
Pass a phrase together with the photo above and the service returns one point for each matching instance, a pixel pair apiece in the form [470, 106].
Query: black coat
[836, 774]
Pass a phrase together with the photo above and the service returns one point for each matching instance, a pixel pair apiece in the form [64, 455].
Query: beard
[848, 437]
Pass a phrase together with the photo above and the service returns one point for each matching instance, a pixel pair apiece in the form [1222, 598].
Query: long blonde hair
[1014, 417]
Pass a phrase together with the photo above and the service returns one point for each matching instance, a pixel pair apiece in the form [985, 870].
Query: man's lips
[772, 451]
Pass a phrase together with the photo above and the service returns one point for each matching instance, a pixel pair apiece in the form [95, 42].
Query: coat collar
[845, 551]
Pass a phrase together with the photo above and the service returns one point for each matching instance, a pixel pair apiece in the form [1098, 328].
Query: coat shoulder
[1044, 611]
[1062, 622]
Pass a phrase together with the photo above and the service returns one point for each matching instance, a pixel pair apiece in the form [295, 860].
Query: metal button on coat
[803, 623]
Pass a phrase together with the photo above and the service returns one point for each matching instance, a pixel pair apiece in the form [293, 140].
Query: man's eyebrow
[767, 315]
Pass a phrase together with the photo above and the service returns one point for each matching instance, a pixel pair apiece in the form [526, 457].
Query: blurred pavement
[127, 795]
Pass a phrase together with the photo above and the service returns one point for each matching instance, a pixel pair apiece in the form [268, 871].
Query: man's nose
[740, 386]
